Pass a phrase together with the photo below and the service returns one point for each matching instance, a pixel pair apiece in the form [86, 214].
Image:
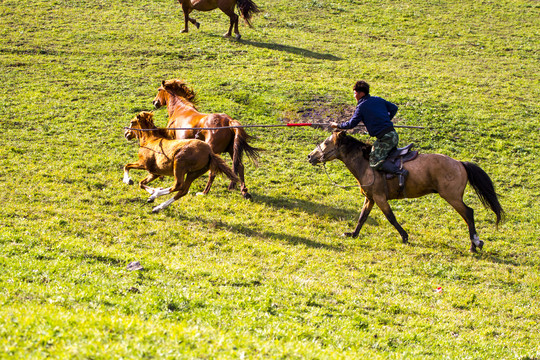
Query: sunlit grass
[272, 278]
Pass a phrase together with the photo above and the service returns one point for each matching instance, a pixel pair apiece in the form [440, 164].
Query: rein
[336, 184]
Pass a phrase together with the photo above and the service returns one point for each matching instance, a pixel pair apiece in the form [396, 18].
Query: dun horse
[180, 99]
[428, 173]
[186, 160]
[246, 7]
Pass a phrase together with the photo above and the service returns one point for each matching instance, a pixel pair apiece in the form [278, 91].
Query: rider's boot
[392, 168]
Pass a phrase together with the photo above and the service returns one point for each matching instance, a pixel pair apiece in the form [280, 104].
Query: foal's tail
[482, 184]
[218, 165]
[241, 145]
[247, 8]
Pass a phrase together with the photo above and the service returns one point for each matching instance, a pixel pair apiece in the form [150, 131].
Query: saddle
[398, 156]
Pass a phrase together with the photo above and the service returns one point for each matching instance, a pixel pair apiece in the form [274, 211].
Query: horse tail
[247, 8]
[482, 184]
[240, 145]
[219, 166]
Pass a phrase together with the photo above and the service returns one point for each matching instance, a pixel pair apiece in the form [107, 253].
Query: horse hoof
[226, 35]
[200, 194]
[238, 36]
[184, 31]
[150, 199]
[247, 196]
[405, 241]
[156, 210]
[197, 25]
[349, 234]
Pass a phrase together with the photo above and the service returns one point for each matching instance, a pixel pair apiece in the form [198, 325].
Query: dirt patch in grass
[322, 111]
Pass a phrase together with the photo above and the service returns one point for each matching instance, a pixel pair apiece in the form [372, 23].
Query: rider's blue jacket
[375, 113]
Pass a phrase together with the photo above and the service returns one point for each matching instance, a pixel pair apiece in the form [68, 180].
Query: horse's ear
[339, 135]
[163, 83]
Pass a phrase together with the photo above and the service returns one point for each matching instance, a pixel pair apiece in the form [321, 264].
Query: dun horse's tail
[482, 184]
[247, 8]
[241, 145]
[218, 165]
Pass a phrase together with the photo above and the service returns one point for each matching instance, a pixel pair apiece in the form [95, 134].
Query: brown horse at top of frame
[247, 9]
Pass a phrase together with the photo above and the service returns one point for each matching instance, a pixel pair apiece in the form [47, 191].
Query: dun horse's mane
[352, 145]
[182, 92]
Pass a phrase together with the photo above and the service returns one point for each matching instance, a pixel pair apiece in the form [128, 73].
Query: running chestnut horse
[186, 159]
[246, 7]
[428, 173]
[180, 100]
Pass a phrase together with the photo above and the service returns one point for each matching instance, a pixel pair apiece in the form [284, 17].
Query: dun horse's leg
[366, 209]
[468, 215]
[387, 211]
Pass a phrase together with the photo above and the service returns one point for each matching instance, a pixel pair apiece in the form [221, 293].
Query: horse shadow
[266, 234]
[292, 50]
[310, 207]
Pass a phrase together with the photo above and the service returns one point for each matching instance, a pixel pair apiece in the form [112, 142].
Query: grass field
[225, 278]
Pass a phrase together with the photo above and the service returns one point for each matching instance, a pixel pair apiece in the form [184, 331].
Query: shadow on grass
[265, 234]
[307, 206]
[292, 50]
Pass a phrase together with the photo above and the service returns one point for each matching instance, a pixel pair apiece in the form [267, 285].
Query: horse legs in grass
[239, 170]
[468, 215]
[233, 23]
[181, 187]
[382, 203]
[366, 209]
[187, 10]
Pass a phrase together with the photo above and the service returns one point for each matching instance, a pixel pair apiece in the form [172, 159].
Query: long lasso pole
[258, 126]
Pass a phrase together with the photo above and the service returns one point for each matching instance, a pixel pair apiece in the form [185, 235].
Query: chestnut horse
[180, 99]
[186, 160]
[246, 7]
[428, 173]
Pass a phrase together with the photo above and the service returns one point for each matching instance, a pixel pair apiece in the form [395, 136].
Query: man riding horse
[376, 114]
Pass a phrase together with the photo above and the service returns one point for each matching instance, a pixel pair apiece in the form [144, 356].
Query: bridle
[322, 161]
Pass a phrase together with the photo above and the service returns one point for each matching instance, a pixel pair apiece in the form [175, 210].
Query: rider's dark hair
[362, 86]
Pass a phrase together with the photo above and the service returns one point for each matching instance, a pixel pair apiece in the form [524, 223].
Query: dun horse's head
[175, 88]
[143, 120]
[327, 150]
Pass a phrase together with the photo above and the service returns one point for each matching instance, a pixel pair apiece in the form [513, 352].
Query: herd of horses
[191, 143]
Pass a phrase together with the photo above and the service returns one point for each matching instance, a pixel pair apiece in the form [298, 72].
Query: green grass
[272, 278]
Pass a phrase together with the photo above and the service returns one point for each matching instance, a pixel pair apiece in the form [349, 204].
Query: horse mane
[353, 145]
[181, 91]
[146, 120]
